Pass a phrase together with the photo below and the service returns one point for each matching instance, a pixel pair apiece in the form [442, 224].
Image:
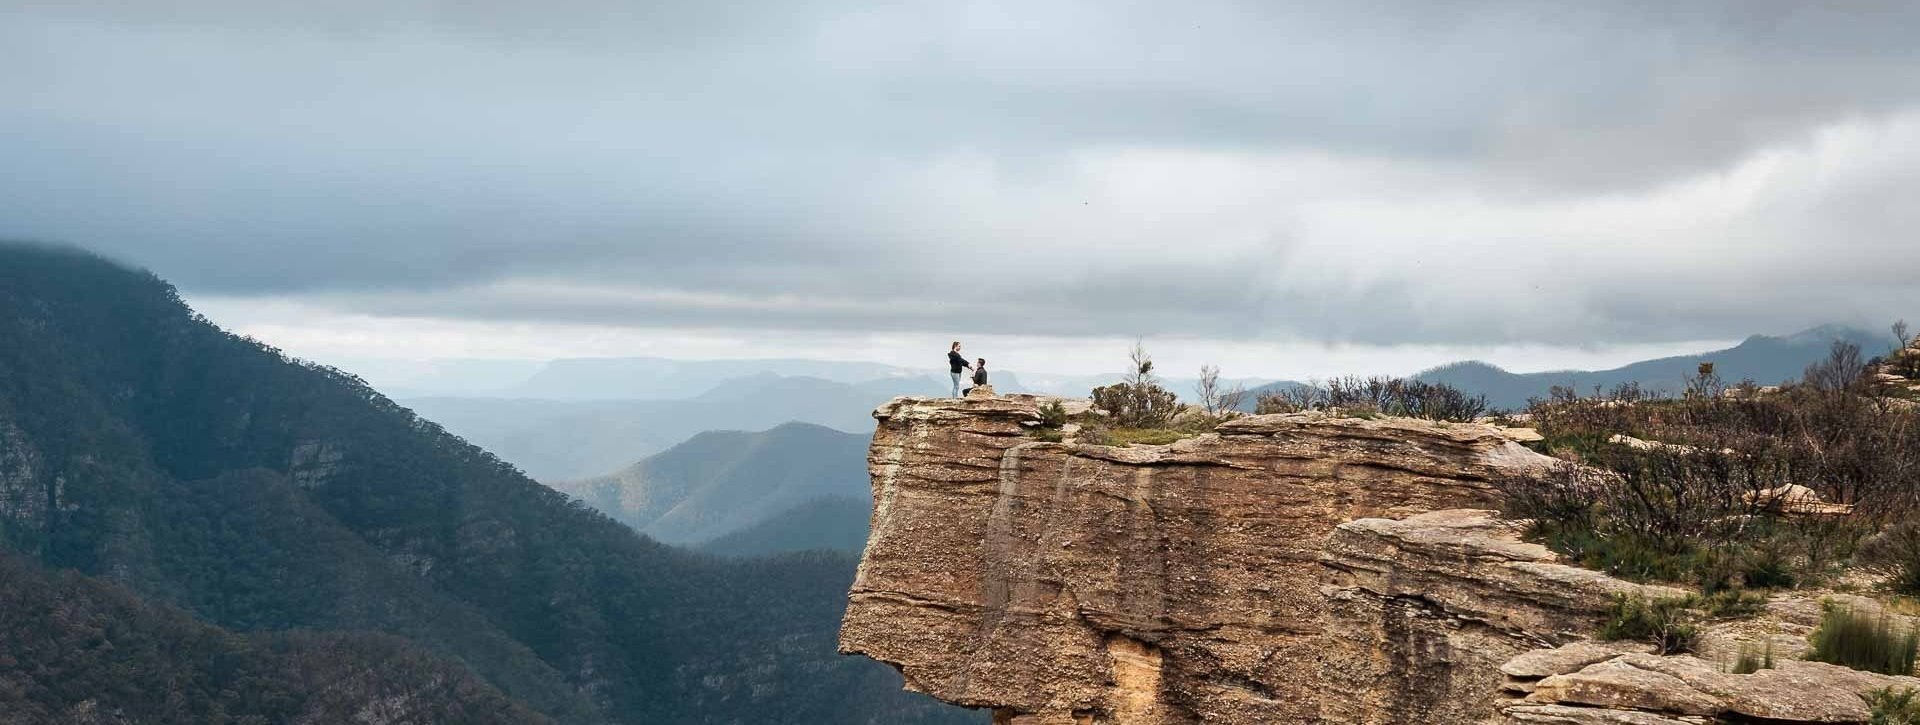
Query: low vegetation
[1754, 659]
[1892, 707]
[1731, 487]
[1895, 553]
[1666, 623]
[1139, 410]
[1377, 395]
[1863, 642]
[1138, 401]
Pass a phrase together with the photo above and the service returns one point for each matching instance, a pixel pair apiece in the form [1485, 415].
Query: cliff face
[1425, 614]
[1064, 583]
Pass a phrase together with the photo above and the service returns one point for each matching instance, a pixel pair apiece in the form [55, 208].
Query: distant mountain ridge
[1763, 359]
[649, 378]
[560, 440]
[719, 482]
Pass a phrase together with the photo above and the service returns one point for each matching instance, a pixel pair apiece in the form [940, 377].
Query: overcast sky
[1288, 187]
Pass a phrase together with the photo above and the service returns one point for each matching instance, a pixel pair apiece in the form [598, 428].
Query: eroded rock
[1164, 584]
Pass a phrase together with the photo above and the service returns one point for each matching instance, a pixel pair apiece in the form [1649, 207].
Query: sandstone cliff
[1284, 569]
[1058, 582]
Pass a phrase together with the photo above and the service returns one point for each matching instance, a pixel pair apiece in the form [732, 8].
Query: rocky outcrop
[23, 496]
[1283, 569]
[1899, 372]
[1064, 583]
[1641, 687]
[1428, 617]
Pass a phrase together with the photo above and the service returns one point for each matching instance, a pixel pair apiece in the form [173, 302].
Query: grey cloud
[407, 157]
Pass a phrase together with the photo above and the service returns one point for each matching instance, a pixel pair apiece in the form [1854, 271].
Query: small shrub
[1767, 566]
[1138, 401]
[1853, 639]
[1639, 558]
[1895, 553]
[1290, 398]
[1053, 415]
[1139, 405]
[1842, 370]
[1664, 622]
[1752, 660]
[1219, 400]
[1048, 435]
[1895, 708]
[1735, 604]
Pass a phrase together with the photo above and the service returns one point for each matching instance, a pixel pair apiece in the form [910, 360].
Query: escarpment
[1284, 569]
[1060, 582]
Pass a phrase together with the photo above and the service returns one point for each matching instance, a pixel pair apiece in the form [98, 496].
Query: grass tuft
[1863, 642]
[1664, 622]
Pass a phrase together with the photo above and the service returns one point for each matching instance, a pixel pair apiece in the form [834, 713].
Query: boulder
[1618, 685]
[1569, 658]
[1536, 714]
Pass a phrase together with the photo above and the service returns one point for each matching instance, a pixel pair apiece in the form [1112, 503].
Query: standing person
[956, 364]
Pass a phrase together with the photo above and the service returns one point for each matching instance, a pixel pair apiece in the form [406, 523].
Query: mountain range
[195, 528]
[558, 440]
[1763, 359]
[718, 482]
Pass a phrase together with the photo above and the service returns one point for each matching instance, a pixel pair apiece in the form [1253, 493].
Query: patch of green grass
[1733, 603]
[1626, 556]
[1854, 639]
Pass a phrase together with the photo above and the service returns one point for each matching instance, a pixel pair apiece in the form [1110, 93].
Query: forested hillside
[831, 523]
[76, 649]
[150, 451]
[719, 482]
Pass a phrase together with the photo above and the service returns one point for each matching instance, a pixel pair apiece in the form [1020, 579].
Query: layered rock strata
[1643, 688]
[1423, 614]
[1069, 583]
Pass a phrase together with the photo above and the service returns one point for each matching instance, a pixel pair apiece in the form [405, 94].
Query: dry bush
[1291, 398]
[1687, 510]
[1138, 401]
[1404, 397]
[1895, 553]
[1377, 395]
[1218, 400]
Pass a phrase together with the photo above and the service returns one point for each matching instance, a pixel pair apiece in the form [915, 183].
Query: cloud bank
[1380, 173]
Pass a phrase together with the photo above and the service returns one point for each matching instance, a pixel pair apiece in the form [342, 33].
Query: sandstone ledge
[1060, 582]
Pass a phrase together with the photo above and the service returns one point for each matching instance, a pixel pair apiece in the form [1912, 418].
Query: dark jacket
[956, 362]
[980, 375]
